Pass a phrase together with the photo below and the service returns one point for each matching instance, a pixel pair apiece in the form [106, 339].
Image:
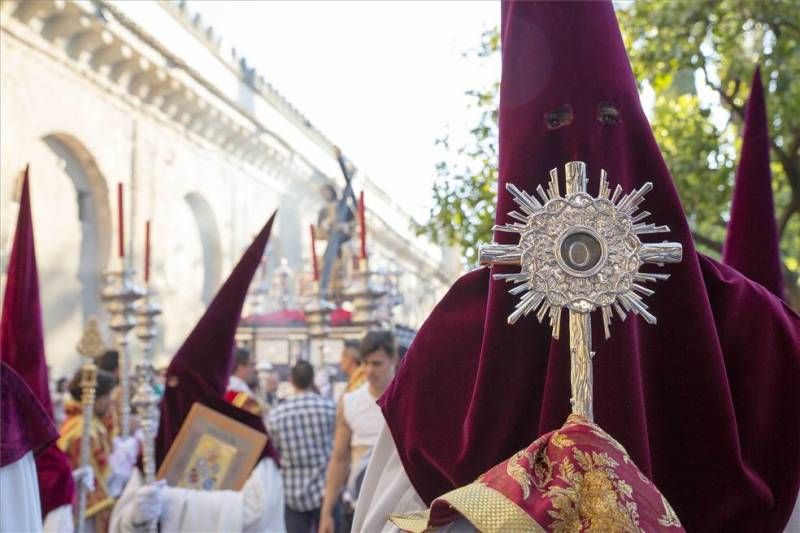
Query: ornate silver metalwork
[581, 253]
[145, 400]
[119, 297]
[365, 295]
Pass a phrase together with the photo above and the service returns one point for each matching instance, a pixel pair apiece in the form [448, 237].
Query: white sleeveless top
[363, 416]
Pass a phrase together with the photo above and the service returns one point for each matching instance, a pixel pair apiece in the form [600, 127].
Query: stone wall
[136, 92]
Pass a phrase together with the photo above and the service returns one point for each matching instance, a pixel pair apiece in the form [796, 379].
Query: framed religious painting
[211, 452]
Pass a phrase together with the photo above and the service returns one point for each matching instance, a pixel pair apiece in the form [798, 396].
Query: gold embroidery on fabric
[561, 441]
[592, 500]
[670, 519]
[542, 468]
[519, 473]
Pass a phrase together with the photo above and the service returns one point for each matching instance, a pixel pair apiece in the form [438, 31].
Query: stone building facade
[141, 93]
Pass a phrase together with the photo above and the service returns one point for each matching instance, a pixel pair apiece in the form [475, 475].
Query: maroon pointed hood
[752, 243]
[200, 370]
[22, 348]
[701, 417]
[24, 423]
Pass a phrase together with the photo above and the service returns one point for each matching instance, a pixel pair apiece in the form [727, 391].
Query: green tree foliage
[696, 59]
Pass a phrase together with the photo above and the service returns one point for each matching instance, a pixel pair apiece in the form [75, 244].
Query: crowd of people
[324, 442]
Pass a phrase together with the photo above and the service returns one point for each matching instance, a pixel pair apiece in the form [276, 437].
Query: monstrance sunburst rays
[581, 253]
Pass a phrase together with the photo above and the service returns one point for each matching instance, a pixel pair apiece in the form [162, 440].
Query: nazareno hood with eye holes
[706, 402]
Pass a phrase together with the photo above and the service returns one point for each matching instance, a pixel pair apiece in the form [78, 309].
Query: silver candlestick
[119, 296]
[365, 296]
[146, 400]
[582, 253]
[147, 311]
[318, 314]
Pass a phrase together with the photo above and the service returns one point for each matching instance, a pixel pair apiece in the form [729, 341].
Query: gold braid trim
[102, 505]
[487, 509]
[413, 522]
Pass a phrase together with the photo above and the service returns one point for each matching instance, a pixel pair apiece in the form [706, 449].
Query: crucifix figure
[580, 252]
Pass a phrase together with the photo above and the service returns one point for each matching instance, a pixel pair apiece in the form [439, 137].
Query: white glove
[84, 476]
[148, 503]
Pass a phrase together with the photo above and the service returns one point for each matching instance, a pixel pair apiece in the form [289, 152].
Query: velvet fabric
[200, 370]
[707, 402]
[22, 348]
[24, 424]
[751, 243]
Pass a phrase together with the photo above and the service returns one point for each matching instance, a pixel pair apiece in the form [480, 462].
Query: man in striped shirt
[302, 430]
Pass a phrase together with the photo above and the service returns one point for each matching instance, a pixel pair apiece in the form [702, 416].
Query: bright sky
[382, 80]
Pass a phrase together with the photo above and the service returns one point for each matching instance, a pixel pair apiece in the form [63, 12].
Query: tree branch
[705, 241]
[783, 220]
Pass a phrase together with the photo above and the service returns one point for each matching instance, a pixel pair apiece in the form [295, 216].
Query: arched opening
[93, 213]
[209, 239]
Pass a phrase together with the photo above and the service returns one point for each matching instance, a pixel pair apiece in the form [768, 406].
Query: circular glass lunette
[581, 252]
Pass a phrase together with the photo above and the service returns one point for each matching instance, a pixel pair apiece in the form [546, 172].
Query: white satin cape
[258, 507]
[19, 496]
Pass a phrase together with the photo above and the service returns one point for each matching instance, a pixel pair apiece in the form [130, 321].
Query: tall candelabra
[318, 314]
[366, 296]
[119, 296]
[145, 399]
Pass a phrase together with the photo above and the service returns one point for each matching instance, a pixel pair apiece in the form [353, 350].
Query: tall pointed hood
[752, 244]
[25, 425]
[22, 348]
[699, 415]
[200, 370]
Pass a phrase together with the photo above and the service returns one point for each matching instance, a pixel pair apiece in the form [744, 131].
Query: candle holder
[119, 296]
[147, 310]
[366, 296]
[145, 400]
[318, 314]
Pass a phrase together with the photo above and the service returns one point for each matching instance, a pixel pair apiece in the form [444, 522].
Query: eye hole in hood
[608, 113]
[558, 117]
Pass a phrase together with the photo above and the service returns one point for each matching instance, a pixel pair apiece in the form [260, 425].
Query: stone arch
[94, 215]
[209, 239]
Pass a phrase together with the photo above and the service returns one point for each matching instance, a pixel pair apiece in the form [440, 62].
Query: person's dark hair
[352, 344]
[303, 375]
[378, 340]
[109, 361]
[105, 383]
[242, 356]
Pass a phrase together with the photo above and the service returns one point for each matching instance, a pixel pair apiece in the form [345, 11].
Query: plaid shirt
[302, 428]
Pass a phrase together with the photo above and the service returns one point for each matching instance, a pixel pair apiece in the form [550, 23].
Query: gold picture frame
[211, 452]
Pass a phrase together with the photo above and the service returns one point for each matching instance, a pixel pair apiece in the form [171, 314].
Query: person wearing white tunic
[258, 507]
[358, 423]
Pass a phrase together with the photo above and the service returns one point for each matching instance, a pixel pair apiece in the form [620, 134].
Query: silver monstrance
[581, 253]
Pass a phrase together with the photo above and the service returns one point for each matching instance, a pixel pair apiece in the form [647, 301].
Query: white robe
[387, 490]
[20, 510]
[59, 520]
[258, 507]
